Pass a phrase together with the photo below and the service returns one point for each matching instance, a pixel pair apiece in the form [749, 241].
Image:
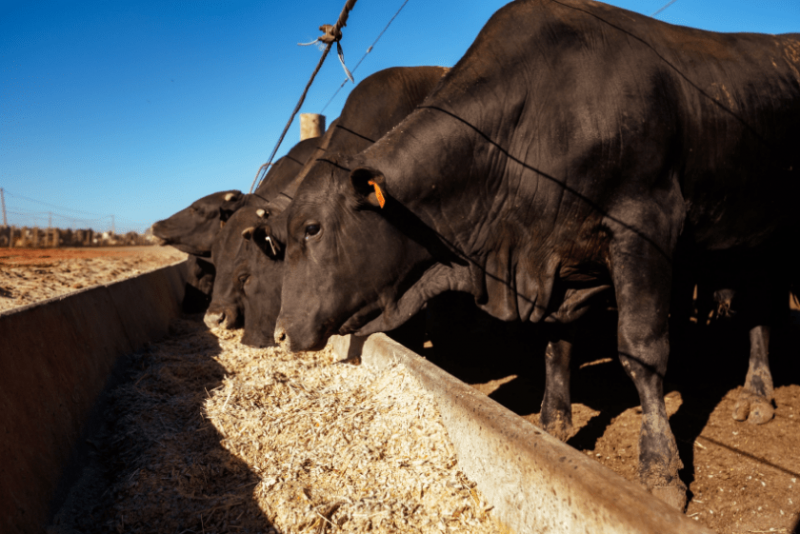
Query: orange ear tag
[378, 193]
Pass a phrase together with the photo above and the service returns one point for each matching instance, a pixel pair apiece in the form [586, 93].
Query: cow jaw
[256, 338]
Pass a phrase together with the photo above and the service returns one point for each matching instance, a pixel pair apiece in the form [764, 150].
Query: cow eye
[312, 230]
[243, 278]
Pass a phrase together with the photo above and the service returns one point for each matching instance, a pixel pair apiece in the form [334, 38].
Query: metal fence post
[3, 202]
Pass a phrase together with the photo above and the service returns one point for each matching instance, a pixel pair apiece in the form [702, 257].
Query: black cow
[199, 282]
[572, 147]
[225, 309]
[226, 306]
[239, 297]
[375, 106]
[756, 300]
[193, 229]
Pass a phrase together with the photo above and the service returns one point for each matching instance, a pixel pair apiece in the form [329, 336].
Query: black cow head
[347, 263]
[247, 287]
[260, 273]
[226, 305]
[193, 229]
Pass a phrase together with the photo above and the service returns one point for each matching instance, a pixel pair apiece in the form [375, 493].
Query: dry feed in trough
[211, 436]
[337, 446]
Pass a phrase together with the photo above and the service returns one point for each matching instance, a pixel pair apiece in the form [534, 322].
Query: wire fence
[371, 47]
[22, 211]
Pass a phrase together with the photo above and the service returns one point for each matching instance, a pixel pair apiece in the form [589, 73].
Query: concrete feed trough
[56, 357]
[535, 482]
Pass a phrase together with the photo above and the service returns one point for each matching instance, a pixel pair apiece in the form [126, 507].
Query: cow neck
[444, 187]
[323, 147]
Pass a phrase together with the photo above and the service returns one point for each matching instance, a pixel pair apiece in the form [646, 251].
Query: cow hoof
[674, 495]
[742, 409]
[761, 411]
[753, 409]
[559, 429]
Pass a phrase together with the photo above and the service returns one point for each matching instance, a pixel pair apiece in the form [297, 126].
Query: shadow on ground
[157, 464]
[507, 360]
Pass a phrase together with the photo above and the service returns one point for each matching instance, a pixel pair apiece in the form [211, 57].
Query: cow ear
[370, 186]
[230, 203]
[266, 239]
[232, 196]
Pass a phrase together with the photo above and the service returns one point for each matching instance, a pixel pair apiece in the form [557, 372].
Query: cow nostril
[214, 320]
[230, 319]
[280, 335]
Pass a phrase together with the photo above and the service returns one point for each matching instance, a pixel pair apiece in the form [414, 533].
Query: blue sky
[137, 108]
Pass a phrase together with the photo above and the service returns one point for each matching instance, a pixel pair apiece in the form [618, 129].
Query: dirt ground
[742, 478]
[31, 275]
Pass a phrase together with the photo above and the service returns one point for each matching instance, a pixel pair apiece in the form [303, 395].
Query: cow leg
[758, 304]
[755, 400]
[556, 417]
[642, 280]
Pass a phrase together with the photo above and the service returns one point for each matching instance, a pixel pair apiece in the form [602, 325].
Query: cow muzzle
[225, 318]
[256, 339]
[298, 340]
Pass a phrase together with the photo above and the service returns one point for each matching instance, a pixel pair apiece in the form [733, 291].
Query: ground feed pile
[210, 436]
[28, 276]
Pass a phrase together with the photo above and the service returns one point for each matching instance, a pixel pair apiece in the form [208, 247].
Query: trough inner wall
[55, 359]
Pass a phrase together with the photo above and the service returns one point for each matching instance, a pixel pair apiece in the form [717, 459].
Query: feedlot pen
[205, 435]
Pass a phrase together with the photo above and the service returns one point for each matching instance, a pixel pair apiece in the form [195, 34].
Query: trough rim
[535, 482]
[70, 294]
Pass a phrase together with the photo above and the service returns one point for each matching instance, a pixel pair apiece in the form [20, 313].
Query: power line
[367, 52]
[665, 6]
[15, 215]
[49, 215]
[3, 202]
[333, 34]
[43, 220]
[51, 205]
[23, 211]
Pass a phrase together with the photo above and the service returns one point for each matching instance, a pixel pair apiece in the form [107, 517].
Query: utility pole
[49, 219]
[113, 231]
[3, 202]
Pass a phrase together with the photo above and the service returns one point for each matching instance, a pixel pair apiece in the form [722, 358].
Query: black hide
[575, 145]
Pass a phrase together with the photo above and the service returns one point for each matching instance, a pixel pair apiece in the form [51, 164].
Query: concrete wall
[536, 483]
[55, 358]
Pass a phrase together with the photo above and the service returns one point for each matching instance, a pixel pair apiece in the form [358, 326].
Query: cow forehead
[327, 174]
[230, 236]
[244, 261]
[321, 199]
